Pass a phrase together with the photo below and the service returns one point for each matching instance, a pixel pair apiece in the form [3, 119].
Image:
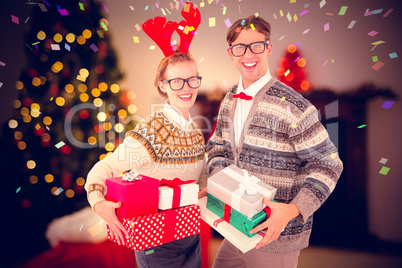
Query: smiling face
[181, 100]
[251, 66]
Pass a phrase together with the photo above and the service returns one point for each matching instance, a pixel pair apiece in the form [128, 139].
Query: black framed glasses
[255, 47]
[178, 83]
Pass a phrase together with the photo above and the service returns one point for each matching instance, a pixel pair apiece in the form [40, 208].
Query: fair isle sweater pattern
[168, 143]
[284, 144]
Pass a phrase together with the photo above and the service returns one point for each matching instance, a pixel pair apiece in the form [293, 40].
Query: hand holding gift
[106, 210]
[281, 214]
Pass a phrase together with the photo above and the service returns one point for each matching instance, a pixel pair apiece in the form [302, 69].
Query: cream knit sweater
[158, 147]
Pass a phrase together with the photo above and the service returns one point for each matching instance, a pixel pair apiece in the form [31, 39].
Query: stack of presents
[154, 212]
[157, 212]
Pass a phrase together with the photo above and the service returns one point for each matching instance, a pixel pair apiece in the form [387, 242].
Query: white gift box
[235, 187]
[188, 196]
[234, 236]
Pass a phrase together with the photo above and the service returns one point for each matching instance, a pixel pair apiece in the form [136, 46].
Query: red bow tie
[242, 96]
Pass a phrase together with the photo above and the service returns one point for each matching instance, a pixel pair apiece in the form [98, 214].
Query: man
[275, 134]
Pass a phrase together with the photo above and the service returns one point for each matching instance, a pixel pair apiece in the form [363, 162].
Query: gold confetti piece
[283, 98]
[202, 4]
[95, 229]
[378, 43]
[136, 39]
[281, 13]
[287, 72]
[333, 155]
[152, 47]
[212, 22]
[186, 7]
[293, 126]
[252, 26]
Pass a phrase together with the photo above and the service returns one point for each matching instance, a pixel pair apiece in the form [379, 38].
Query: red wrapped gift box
[137, 197]
[160, 228]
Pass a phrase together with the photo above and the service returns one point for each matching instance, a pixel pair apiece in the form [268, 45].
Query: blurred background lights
[102, 86]
[87, 33]
[98, 102]
[18, 135]
[12, 123]
[70, 193]
[109, 147]
[122, 113]
[17, 104]
[115, 88]
[132, 109]
[84, 97]
[81, 40]
[58, 38]
[292, 48]
[84, 72]
[82, 88]
[92, 140]
[95, 92]
[101, 116]
[119, 127]
[36, 81]
[107, 126]
[49, 178]
[301, 62]
[41, 35]
[21, 145]
[47, 120]
[19, 85]
[26, 118]
[57, 67]
[131, 95]
[33, 179]
[60, 101]
[69, 88]
[80, 181]
[70, 37]
[31, 164]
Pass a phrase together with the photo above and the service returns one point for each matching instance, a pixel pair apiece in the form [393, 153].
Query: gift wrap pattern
[160, 228]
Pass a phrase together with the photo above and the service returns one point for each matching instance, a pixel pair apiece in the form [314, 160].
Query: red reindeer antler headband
[161, 32]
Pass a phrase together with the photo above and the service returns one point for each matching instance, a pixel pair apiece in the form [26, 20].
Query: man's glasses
[178, 83]
[256, 47]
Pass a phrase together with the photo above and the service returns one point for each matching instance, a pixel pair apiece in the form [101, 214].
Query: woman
[165, 145]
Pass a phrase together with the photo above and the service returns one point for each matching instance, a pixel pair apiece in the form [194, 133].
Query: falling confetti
[343, 10]
[60, 144]
[351, 24]
[377, 65]
[383, 161]
[387, 104]
[384, 170]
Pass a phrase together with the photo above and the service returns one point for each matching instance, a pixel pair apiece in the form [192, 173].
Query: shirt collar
[172, 113]
[254, 87]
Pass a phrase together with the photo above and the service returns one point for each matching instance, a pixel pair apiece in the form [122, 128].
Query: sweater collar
[254, 87]
[172, 113]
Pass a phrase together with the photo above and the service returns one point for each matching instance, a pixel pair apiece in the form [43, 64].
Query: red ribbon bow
[242, 96]
[175, 185]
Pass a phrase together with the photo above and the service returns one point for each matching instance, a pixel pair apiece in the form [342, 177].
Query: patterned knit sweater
[284, 144]
[158, 147]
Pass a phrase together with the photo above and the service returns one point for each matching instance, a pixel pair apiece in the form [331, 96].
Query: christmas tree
[291, 69]
[70, 113]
